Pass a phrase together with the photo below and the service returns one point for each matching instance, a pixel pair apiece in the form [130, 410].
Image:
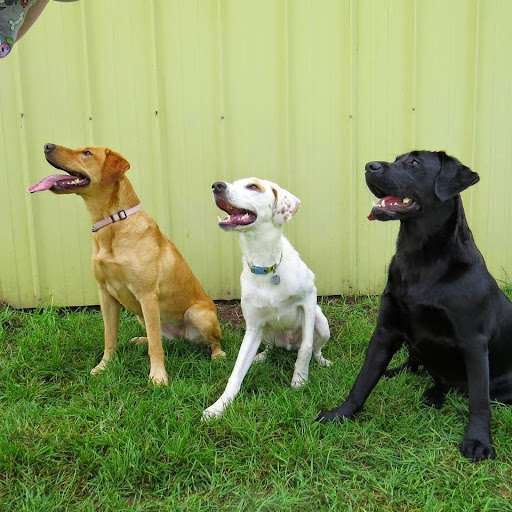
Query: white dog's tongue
[47, 183]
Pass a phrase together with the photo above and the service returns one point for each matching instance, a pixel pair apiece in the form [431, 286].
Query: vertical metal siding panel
[47, 97]
[61, 224]
[384, 110]
[18, 271]
[121, 74]
[124, 103]
[319, 99]
[255, 84]
[190, 95]
[445, 79]
[255, 87]
[205, 234]
[491, 219]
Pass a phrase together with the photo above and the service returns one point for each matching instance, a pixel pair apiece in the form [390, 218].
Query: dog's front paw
[159, 377]
[99, 367]
[299, 380]
[211, 412]
[329, 417]
[476, 449]
[341, 413]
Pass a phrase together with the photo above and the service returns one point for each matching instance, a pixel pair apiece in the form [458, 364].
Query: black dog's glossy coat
[439, 299]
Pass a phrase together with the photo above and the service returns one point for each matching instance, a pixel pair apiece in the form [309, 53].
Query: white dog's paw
[299, 380]
[212, 412]
[261, 357]
[99, 367]
[159, 377]
[321, 361]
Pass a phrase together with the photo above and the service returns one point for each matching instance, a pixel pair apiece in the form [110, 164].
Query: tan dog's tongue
[47, 183]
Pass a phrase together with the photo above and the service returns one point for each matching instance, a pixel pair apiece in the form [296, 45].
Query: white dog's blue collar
[266, 270]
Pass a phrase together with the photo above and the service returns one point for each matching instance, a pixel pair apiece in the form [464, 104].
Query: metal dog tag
[276, 279]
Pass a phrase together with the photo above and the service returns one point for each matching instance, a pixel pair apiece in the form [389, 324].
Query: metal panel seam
[353, 280]
[162, 211]
[414, 117]
[476, 89]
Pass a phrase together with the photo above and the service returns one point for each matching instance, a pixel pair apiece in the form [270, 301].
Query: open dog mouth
[236, 216]
[391, 206]
[58, 182]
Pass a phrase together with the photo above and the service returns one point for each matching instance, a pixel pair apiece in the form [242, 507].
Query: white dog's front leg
[301, 373]
[248, 349]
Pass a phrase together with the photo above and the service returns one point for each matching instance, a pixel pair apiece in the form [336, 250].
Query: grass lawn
[73, 442]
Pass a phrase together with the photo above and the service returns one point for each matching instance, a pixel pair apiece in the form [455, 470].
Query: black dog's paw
[326, 417]
[434, 396]
[330, 416]
[476, 450]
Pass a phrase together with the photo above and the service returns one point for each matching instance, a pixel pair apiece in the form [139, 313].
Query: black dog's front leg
[383, 345]
[477, 443]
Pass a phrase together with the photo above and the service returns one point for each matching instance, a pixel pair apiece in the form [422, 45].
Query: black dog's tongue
[393, 203]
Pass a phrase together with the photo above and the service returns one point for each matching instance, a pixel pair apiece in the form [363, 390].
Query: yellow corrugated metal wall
[302, 92]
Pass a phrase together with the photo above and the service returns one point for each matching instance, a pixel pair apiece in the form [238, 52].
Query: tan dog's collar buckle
[115, 217]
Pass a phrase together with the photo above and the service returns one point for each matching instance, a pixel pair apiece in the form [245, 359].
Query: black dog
[440, 298]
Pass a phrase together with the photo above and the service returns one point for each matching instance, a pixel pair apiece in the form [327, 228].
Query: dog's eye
[87, 152]
[414, 162]
[252, 187]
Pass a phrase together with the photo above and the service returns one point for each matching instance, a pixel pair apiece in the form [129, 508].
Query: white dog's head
[251, 201]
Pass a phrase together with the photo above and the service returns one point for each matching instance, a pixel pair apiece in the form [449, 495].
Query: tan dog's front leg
[151, 312]
[110, 309]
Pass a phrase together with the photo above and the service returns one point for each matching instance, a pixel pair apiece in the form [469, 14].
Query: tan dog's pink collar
[120, 215]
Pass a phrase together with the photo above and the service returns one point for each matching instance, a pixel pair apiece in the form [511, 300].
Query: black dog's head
[415, 183]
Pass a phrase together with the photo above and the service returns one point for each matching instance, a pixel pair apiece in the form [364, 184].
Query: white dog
[278, 289]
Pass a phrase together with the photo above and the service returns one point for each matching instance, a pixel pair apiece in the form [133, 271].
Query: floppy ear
[286, 205]
[114, 167]
[453, 177]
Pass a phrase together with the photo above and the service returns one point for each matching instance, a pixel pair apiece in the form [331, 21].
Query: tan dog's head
[89, 168]
[250, 202]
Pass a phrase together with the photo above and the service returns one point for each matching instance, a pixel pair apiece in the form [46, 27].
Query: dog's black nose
[48, 148]
[373, 166]
[219, 186]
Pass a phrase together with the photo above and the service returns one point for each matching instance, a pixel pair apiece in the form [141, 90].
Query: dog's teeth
[406, 200]
[383, 203]
[373, 203]
[218, 217]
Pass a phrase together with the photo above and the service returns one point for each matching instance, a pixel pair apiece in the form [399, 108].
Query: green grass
[73, 442]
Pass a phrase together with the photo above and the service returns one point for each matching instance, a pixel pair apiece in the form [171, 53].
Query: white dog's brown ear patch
[286, 205]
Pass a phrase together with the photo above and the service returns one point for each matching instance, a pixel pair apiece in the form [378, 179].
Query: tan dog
[134, 263]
